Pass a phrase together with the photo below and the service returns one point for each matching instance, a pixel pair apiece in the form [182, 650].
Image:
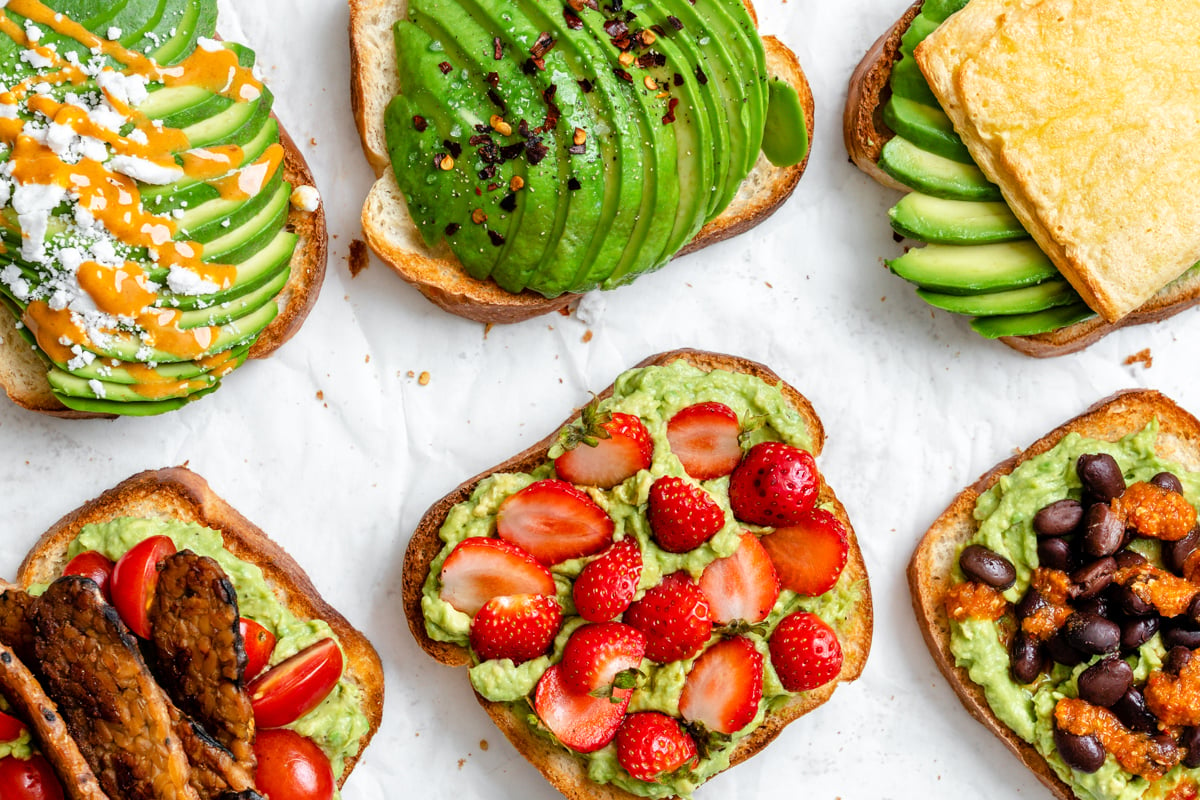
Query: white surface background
[915, 406]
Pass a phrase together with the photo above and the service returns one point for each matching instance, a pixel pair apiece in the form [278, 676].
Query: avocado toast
[575, 752]
[564, 128]
[160, 227]
[1044, 513]
[987, 251]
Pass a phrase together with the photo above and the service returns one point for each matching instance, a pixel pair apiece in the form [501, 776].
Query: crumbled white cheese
[32, 32]
[211, 45]
[114, 33]
[33, 203]
[305, 198]
[35, 59]
[141, 169]
[183, 281]
[129, 89]
[97, 388]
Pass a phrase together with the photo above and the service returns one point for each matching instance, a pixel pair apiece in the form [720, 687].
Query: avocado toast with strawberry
[636, 613]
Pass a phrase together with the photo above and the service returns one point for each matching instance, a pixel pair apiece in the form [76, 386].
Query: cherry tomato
[10, 727]
[28, 779]
[133, 580]
[259, 643]
[293, 687]
[95, 565]
[291, 767]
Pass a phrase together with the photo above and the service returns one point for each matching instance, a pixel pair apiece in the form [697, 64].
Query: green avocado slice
[236, 308]
[1048, 294]
[908, 82]
[971, 269]
[785, 135]
[251, 274]
[145, 408]
[934, 175]
[940, 221]
[927, 127]
[109, 371]
[1031, 324]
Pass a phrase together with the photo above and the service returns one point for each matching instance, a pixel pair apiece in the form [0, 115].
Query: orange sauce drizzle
[211, 162]
[120, 291]
[1138, 753]
[51, 328]
[250, 180]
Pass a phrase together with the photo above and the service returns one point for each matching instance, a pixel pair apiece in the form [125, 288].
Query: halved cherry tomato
[10, 727]
[28, 779]
[95, 565]
[133, 580]
[291, 767]
[293, 687]
[259, 643]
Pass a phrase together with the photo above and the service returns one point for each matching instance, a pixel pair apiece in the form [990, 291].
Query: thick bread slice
[566, 772]
[180, 494]
[865, 134]
[435, 272]
[23, 372]
[931, 564]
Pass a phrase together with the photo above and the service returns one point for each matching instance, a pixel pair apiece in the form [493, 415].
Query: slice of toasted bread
[180, 494]
[929, 570]
[865, 134]
[565, 771]
[23, 372]
[435, 272]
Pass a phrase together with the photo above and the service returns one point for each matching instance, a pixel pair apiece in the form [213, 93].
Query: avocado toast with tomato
[529, 152]
[620, 589]
[159, 227]
[172, 635]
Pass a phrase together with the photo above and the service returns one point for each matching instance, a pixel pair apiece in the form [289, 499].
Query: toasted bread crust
[865, 135]
[930, 568]
[436, 273]
[23, 373]
[178, 493]
[566, 772]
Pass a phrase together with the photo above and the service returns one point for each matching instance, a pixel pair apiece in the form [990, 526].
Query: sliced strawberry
[776, 484]
[596, 654]
[805, 652]
[682, 516]
[606, 586]
[650, 743]
[607, 453]
[810, 555]
[479, 568]
[675, 618]
[704, 436]
[515, 626]
[581, 721]
[724, 686]
[554, 521]
[741, 586]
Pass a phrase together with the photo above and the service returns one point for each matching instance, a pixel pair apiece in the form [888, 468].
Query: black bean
[1101, 476]
[1062, 652]
[1165, 480]
[1132, 711]
[1129, 558]
[1106, 681]
[1030, 604]
[1091, 633]
[1163, 749]
[987, 566]
[1177, 632]
[1097, 605]
[1189, 740]
[1060, 518]
[1193, 609]
[1104, 531]
[1130, 603]
[1026, 657]
[1084, 753]
[1177, 658]
[1055, 553]
[1174, 554]
[1136, 632]
[1092, 579]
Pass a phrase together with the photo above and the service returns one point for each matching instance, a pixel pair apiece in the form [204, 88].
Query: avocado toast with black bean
[159, 226]
[550, 148]
[1058, 597]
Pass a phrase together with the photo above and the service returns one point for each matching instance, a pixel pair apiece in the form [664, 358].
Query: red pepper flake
[419, 123]
[490, 154]
[478, 139]
[617, 5]
[454, 147]
[669, 117]
[678, 79]
[445, 67]
[573, 184]
[443, 162]
[452, 228]
[496, 238]
[623, 75]
[675, 23]
[535, 151]
[651, 59]
[530, 66]
[487, 173]
[509, 203]
[497, 49]
[577, 149]
[585, 85]
[493, 79]
[700, 76]
[478, 216]
[572, 19]
[493, 187]
[542, 45]
[615, 28]
[496, 99]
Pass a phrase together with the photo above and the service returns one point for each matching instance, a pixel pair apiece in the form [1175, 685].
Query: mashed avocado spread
[1005, 516]
[654, 394]
[338, 723]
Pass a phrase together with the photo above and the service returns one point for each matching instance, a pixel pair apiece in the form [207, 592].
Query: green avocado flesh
[556, 149]
[227, 202]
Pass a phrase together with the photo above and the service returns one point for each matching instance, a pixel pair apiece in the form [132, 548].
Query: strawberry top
[684, 629]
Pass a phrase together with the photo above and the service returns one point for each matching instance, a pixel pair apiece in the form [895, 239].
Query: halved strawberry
[606, 586]
[675, 618]
[515, 626]
[581, 721]
[682, 516]
[705, 438]
[724, 686]
[810, 555]
[554, 521]
[741, 586]
[604, 450]
[775, 484]
[805, 652]
[480, 568]
[649, 743]
[596, 654]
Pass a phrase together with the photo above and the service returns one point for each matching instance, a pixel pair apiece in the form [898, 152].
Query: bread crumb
[359, 257]
[768, 284]
[1142, 357]
[483, 744]
[424, 379]
[587, 337]
[462, 762]
[487, 329]
[367, 359]
[313, 141]
[564, 311]
[411, 374]
[320, 395]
